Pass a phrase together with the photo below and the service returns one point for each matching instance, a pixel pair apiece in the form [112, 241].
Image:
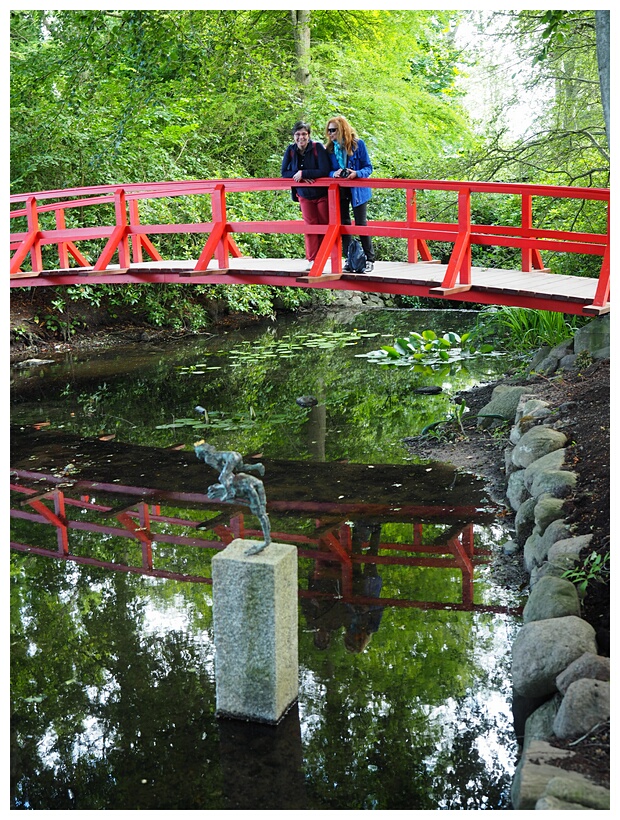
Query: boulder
[568, 362]
[531, 406]
[547, 568]
[516, 491]
[572, 790]
[530, 412]
[504, 402]
[536, 443]
[510, 547]
[539, 725]
[555, 531]
[534, 552]
[551, 597]
[543, 649]
[558, 483]
[595, 667]
[593, 337]
[568, 549]
[547, 510]
[524, 521]
[585, 704]
[549, 803]
[534, 772]
[550, 461]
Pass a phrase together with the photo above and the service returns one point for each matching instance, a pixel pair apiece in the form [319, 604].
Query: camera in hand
[346, 172]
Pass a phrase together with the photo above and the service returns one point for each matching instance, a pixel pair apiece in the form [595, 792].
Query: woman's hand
[298, 176]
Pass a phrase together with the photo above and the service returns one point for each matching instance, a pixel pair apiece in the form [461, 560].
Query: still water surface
[113, 687]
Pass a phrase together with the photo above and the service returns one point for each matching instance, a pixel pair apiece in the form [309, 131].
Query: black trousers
[359, 214]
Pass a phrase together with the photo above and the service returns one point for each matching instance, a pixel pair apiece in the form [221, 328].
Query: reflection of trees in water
[105, 713]
[118, 703]
[136, 392]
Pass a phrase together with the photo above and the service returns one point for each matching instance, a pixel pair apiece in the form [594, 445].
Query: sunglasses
[331, 130]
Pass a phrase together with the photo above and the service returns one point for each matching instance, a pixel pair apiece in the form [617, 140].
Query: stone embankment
[560, 682]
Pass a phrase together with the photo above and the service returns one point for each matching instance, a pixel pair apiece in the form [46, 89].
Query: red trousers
[314, 212]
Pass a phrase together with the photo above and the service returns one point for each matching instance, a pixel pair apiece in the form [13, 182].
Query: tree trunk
[602, 56]
[301, 33]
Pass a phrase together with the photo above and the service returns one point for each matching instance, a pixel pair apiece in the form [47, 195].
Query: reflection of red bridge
[115, 509]
[331, 543]
[99, 492]
[105, 221]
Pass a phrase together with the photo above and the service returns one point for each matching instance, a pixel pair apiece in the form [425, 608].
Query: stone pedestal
[255, 627]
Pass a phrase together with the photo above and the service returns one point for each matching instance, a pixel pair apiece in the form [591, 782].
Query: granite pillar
[255, 616]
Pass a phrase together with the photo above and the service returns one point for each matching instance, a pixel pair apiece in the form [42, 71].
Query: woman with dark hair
[304, 161]
[349, 159]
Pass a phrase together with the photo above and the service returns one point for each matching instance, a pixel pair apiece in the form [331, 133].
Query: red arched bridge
[95, 235]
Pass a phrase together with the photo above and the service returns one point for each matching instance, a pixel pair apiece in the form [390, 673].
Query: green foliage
[555, 63]
[524, 329]
[595, 567]
[100, 96]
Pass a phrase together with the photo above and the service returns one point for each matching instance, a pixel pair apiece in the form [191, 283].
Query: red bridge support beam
[459, 266]
[119, 241]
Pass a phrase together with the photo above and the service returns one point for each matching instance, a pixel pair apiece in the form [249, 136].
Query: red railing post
[415, 245]
[31, 244]
[217, 239]
[66, 248]
[138, 241]
[331, 245]
[119, 240]
[62, 526]
[459, 266]
[147, 545]
[136, 244]
[120, 211]
[63, 253]
[530, 257]
[465, 230]
[601, 297]
[33, 229]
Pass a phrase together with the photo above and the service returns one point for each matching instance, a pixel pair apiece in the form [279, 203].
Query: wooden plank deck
[549, 291]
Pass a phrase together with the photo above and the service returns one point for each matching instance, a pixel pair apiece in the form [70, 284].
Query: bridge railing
[127, 239]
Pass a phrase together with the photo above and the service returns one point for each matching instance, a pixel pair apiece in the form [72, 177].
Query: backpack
[356, 258]
[291, 154]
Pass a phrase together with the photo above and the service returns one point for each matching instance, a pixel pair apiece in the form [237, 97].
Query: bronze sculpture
[236, 484]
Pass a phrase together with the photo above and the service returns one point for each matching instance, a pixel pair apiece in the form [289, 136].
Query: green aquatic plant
[287, 347]
[427, 348]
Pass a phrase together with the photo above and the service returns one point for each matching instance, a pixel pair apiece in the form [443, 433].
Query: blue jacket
[315, 165]
[359, 161]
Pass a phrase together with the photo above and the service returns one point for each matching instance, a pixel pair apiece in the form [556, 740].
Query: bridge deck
[535, 289]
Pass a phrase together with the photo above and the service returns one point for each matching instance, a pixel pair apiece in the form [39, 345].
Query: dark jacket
[359, 161]
[314, 163]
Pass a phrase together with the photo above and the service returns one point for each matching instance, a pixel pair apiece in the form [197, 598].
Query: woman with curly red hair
[349, 159]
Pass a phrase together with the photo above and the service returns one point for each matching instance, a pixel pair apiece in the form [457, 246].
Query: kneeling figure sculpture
[237, 486]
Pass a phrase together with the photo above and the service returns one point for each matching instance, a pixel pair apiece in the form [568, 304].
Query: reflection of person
[324, 614]
[362, 620]
[349, 159]
[327, 614]
[304, 161]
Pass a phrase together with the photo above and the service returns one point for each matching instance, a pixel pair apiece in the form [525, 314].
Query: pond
[404, 690]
